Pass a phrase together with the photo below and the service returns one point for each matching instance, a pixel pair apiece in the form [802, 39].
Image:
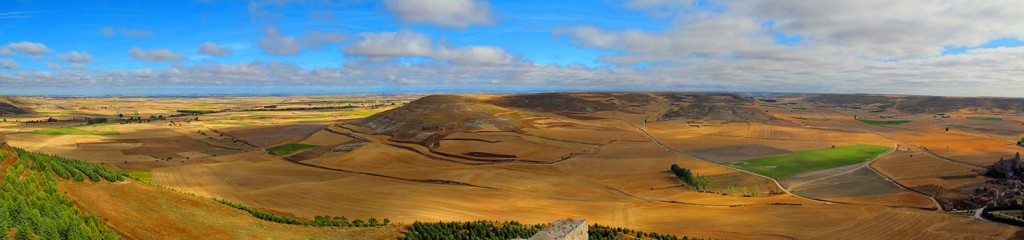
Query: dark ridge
[553, 102]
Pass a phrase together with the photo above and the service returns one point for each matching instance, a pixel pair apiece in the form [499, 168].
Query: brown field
[138, 211]
[583, 155]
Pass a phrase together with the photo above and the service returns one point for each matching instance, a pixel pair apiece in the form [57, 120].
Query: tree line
[513, 230]
[32, 206]
[601, 232]
[70, 168]
[697, 181]
[318, 221]
[470, 230]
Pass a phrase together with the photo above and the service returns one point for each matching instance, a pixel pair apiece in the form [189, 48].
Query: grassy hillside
[31, 205]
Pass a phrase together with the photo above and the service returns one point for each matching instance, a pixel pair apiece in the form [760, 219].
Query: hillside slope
[11, 105]
[430, 118]
[715, 107]
[102, 204]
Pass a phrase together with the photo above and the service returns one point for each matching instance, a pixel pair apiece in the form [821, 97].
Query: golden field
[603, 157]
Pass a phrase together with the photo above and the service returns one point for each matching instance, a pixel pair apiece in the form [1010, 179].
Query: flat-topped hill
[437, 115]
[713, 106]
[921, 104]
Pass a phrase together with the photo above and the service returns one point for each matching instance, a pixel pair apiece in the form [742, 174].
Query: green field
[72, 131]
[289, 148]
[985, 118]
[230, 123]
[140, 174]
[883, 122]
[785, 165]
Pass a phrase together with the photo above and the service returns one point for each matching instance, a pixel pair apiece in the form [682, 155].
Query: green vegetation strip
[883, 122]
[986, 118]
[71, 131]
[318, 221]
[32, 207]
[697, 181]
[515, 230]
[785, 165]
[140, 175]
[562, 140]
[196, 111]
[289, 148]
[230, 123]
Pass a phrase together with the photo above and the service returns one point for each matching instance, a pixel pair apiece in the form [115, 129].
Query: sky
[925, 47]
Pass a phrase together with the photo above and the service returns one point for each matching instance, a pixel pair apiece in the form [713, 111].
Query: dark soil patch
[492, 155]
[859, 183]
[735, 152]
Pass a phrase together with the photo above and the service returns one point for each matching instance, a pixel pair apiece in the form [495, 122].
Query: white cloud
[710, 38]
[317, 39]
[992, 72]
[156, 55]
[391, 45]
[405, 43]
[729, 48]
[891, 29]
[9, 64]
[4, 51]
[275, 43]
[29, 47]
[443, 13]
[212, 49]
[108, 31]
[76, 57]
[136, 33]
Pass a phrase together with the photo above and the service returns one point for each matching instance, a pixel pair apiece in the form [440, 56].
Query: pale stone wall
[564, 230]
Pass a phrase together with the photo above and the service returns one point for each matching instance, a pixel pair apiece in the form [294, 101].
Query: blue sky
[291, 46]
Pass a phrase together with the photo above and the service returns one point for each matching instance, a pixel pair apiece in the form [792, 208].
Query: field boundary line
[779, 185]
[887, 178]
